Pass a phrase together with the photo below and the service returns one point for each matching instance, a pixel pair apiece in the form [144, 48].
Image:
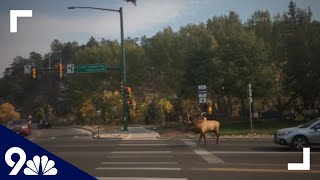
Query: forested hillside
[279, 56]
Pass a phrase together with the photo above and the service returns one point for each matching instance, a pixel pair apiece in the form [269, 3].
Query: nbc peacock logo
[47, 166]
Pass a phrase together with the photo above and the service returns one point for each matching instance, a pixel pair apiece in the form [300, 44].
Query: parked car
[21, 126]
[44, 124]
[299, 137]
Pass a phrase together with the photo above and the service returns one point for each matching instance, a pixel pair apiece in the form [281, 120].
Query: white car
[299, 137]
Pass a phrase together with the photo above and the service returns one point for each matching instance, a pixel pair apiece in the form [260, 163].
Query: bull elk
[202, 125]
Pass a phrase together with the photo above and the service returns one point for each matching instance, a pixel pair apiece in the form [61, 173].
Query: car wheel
[299, 142]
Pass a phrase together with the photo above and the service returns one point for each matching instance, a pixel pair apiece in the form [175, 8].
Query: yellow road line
[255, 170]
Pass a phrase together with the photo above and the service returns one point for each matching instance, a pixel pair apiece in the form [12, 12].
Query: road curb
[87, 129]
[131, 136]
[196, 138]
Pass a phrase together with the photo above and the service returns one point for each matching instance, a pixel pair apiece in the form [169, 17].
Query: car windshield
[308, 124]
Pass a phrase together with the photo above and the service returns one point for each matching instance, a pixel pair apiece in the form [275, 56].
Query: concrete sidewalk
[134, 133]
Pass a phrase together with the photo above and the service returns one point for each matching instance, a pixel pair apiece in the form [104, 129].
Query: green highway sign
[89, 68]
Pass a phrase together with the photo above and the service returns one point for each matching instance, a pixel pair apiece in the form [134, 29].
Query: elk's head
[185, 119]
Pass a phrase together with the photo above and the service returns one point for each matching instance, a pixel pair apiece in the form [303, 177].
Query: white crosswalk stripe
[138, 178]
[139, 163]
[139, 168]
[204, 154]
[131, 157]
[141, 152]
[139, 156]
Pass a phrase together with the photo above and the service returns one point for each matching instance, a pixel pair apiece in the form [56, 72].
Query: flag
[133, 1]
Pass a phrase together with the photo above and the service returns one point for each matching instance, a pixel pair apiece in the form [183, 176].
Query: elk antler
[199, 109]
[181, 118]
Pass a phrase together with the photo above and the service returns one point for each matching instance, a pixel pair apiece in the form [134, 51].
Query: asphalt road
[177, 159]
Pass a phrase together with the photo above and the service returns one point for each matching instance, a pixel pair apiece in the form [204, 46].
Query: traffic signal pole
[122, 62]
[124, 78]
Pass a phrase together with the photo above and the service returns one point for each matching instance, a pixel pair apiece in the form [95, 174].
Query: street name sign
[90, 68]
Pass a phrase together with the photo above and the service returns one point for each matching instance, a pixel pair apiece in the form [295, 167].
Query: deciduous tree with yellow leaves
[164, 109]
[8, 113]
[89, 111]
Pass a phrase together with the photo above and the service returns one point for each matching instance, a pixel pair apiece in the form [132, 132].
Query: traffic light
[60, 70]
[33, 72]
[128, 93]
[128, 90]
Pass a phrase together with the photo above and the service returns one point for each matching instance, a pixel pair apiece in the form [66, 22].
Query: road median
[137, 132]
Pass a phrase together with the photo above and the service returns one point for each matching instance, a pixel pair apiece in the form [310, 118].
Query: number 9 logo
[15, 165]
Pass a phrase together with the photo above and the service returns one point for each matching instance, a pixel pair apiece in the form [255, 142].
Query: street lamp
[122, 62]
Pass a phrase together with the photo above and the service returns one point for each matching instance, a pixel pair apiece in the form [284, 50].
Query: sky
[52, 20]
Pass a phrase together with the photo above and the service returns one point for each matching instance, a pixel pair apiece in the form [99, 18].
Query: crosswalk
[54, 138]
[130, 161]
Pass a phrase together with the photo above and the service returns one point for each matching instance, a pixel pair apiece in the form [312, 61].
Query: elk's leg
[199, 139]
[217, 134]
[204, 137]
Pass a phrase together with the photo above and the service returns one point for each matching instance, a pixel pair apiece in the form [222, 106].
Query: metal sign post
[99, 119]
[250, 102]
[202, 93]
